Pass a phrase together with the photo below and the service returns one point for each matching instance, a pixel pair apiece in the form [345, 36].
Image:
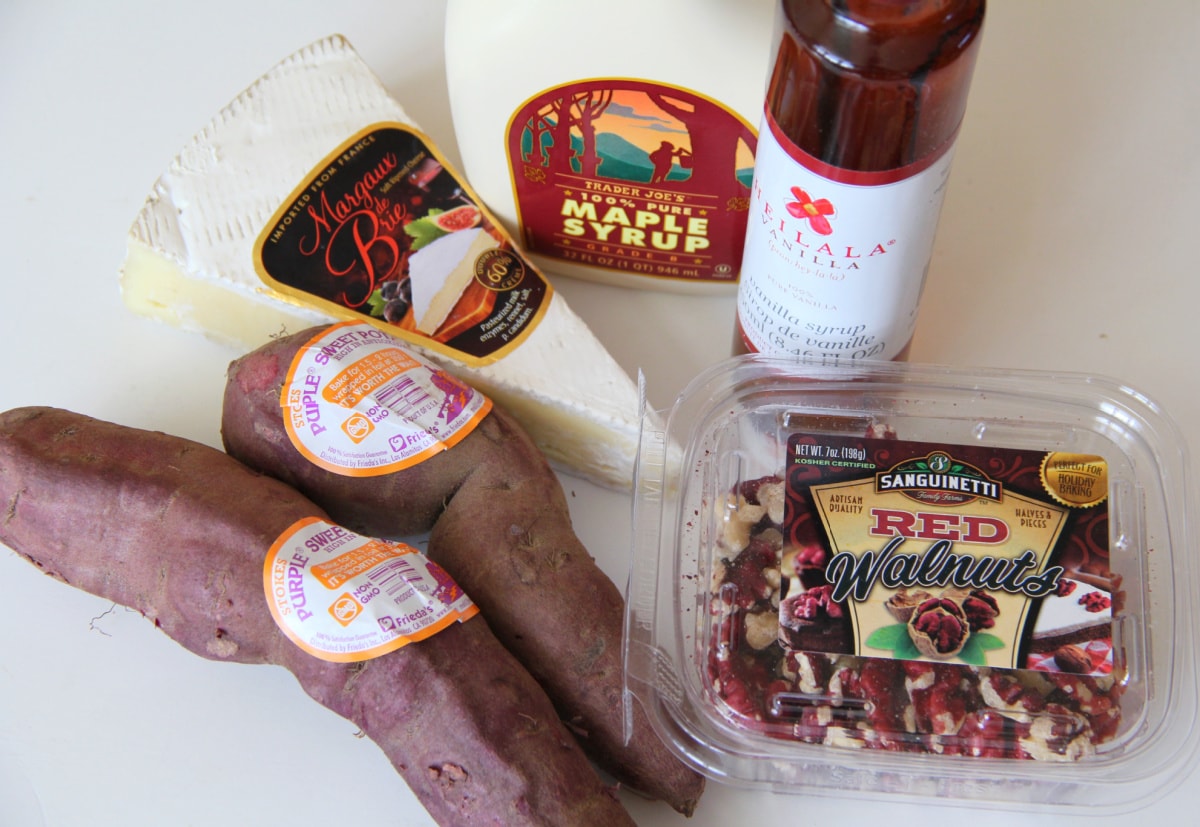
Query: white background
[1068, 240]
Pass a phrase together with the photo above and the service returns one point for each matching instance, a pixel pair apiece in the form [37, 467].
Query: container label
[358, 403]
[920, 551]
[835, 261]
[342, 597]
[633, 176]
[384, 232]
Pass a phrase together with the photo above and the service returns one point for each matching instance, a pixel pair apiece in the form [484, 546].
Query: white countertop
[1068, 241]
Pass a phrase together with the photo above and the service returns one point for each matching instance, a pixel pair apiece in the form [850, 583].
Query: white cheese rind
[190, 259]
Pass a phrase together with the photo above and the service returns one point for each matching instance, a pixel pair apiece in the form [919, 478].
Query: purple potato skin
[499, 524]
[179, 531]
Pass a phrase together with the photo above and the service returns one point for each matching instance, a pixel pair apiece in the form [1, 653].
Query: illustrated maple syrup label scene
[384, 232]
[633, 176]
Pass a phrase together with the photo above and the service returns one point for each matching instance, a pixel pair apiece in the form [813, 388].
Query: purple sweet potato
[180, 531]
[499, 524]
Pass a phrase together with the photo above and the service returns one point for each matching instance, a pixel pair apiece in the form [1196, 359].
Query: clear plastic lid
[915, 580]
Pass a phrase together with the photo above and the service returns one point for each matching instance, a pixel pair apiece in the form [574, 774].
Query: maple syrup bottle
[863, 104]
[614, 140]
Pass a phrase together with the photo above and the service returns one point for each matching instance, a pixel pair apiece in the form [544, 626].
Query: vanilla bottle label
[835, 260]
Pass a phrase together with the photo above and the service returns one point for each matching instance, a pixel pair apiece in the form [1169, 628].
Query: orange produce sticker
[357, 403]
[343, 597]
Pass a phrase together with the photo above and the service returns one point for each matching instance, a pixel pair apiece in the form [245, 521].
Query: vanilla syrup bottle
[863, 105]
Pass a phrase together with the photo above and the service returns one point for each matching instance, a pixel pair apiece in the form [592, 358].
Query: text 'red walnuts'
[764, 682]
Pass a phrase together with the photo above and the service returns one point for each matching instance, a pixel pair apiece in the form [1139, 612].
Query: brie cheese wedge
[190, 262]
[434, 293]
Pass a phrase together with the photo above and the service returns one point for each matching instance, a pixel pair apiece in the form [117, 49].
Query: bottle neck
[873, 85]
[885, 37]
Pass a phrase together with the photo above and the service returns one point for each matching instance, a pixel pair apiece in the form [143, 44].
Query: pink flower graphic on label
[814, 211]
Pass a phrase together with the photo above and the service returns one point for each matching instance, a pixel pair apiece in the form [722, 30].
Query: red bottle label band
[854, 177]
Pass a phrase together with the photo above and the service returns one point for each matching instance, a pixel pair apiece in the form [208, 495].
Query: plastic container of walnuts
[910, 580]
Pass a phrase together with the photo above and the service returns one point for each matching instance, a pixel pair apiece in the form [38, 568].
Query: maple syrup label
[383, 231]
[343, 597]
[359, 404]
[920, 551]
[835, 260]
[632, 176]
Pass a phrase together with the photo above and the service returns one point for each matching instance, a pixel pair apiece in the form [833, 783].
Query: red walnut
[981, 610]
[939, 628]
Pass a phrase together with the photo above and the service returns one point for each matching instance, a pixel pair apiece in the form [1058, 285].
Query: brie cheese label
[381, 231]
